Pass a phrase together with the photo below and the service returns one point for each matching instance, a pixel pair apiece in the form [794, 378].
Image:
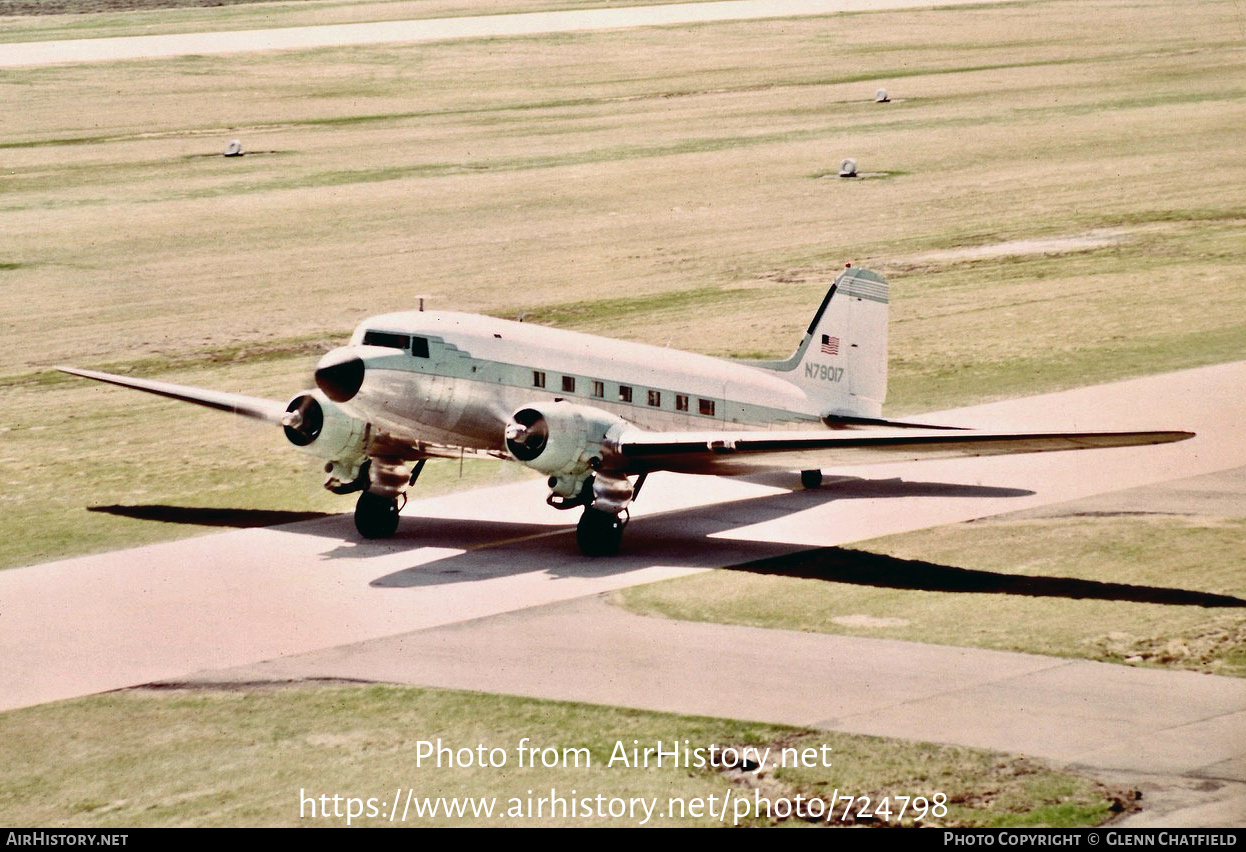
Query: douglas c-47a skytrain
[597, 415]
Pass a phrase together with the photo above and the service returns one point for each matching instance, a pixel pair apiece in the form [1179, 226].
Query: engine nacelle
[560, 439]
[316, 425]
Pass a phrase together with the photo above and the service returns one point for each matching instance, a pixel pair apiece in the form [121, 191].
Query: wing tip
[1174, 436]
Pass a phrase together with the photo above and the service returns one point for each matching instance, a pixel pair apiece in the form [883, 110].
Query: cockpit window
[419, 347]
[387, 339]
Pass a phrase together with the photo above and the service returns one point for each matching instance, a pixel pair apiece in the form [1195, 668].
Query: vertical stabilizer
[841, 364]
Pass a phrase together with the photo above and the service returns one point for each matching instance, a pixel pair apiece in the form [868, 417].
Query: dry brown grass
[506, 175]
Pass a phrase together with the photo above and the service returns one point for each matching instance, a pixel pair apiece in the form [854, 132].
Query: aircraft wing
[234, 403]
[728, 453]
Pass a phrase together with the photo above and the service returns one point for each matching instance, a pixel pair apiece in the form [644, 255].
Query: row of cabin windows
[418, 346]
[704, 406]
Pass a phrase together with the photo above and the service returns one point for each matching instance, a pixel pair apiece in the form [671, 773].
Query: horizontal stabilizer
[234, 403]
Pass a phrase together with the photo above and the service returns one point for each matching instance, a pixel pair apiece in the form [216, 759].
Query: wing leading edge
[233, 403]
[754, 452]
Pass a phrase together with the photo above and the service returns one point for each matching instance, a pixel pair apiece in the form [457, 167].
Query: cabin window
[625, 393]
[655, 398]
[706, 407]
[538, 378]
[419, 347]
[387, 339]
[599, 389]
[568, 384]
[681, 402]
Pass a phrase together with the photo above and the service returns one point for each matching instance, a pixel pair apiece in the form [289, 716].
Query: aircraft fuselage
[455, 379]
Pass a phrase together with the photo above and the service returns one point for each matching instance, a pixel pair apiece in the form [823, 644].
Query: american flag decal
[830, 345]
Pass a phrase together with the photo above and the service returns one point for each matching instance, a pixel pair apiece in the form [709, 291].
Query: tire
[811, 479]
[376, 516]
[599, 533]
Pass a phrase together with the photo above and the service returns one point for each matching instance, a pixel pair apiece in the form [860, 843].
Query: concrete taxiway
[112, 620]
[493, 576]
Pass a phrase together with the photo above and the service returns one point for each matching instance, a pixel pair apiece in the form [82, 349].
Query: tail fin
[841, 363]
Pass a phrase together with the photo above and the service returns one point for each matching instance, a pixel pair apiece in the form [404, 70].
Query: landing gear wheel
[811, 479]
[599, 533]
[376, 516]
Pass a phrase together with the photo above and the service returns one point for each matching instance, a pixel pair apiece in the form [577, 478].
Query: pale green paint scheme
[499, 379]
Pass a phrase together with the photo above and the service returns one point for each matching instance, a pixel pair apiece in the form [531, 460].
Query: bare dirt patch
[1205, 648]
[862, 620]
[1020, 248]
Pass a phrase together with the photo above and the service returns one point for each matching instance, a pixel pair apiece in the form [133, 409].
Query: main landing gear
[600, 533]
[811, 479]
[376, 514]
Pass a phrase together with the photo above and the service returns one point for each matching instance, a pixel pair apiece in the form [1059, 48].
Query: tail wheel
[599, 533]
[376, 516]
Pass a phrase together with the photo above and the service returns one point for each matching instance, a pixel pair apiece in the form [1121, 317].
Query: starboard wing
[732, 453]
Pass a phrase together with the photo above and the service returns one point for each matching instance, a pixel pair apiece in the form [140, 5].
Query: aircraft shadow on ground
[455, 533]
[684, 537]
[210, 516]
[859, 568]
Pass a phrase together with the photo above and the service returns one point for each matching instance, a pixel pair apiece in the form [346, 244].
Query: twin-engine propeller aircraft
[597, 415]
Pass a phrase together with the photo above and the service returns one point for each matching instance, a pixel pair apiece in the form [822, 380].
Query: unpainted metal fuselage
[478, 370]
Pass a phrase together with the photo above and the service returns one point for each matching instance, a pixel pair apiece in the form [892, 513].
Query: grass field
[179, 757]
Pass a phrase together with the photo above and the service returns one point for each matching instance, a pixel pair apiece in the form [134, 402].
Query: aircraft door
[436, 392]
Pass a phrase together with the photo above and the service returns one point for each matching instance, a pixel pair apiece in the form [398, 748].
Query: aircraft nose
[340, 375]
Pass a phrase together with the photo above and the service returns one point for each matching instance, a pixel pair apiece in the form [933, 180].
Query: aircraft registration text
[823, 372]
